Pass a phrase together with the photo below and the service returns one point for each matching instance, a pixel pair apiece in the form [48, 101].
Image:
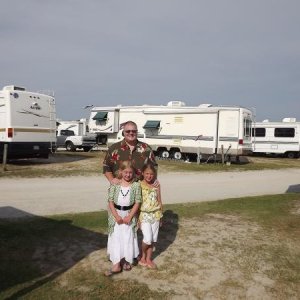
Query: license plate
[36, 147]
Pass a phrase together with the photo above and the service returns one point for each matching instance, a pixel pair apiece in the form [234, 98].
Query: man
[130, 148]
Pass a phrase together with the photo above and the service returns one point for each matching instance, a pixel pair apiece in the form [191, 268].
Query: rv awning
[152, 125]
[100, 116]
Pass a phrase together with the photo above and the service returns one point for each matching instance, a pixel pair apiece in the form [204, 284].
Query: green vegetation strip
[64, 164]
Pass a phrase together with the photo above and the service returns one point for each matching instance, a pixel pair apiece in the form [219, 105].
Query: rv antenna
[88, 106]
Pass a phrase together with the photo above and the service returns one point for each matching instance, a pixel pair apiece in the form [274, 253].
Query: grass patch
[40, 256]
[269, 210]
[64, 164]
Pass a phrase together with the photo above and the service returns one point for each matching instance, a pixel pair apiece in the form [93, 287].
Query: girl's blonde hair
[127, 164]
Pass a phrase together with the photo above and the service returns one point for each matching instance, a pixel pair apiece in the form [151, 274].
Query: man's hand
[156, 183]
[115, 181]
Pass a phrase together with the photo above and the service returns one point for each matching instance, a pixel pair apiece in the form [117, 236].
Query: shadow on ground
[53, 159]
[293, 188]
[35, 250]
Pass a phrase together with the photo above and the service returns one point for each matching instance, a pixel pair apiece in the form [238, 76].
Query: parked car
[62, 136]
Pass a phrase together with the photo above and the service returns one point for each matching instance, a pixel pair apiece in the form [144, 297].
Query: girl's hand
[160, 223]
[119, 220]
[127, 220]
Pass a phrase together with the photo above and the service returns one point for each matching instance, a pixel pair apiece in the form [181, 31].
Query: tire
[177, 155]
[164, 154]
[70, 147]
[292, 155]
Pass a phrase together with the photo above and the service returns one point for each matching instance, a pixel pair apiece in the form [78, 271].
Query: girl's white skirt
[122, 243]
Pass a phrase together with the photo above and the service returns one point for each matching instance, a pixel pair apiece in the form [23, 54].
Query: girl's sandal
[127, 266]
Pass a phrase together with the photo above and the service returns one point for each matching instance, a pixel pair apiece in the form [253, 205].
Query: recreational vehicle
[27, 123]
[178, 131]
[277, 138]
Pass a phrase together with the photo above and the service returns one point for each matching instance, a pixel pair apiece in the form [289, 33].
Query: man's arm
[111, 179]
[107, 169]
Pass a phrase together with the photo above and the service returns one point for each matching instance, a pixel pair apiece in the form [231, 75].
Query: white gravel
[49, 196]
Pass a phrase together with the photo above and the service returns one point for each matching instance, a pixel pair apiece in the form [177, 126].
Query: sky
[107, 52]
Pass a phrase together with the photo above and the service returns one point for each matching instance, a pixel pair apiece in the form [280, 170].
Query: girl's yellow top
[150, 210]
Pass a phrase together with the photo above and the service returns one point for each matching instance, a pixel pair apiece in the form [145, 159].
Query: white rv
[27, 123]
[277, 138]
[178, 131]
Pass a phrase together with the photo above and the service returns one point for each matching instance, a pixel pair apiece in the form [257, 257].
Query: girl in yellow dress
[150, 214]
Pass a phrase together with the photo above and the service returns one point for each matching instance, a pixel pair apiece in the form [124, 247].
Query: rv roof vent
[289, 120]
[176, 103]
[266, 121]
[205, 105]
[13, 88]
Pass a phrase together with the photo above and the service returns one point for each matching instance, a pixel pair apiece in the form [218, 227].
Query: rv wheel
[164, 154]
[70, 146]
[291, 155]
[177, 155]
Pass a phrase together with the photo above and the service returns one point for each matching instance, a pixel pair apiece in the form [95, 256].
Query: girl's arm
[113, 210]
[133, 211]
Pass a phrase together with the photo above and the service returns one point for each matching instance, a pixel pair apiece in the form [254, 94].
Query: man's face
[130, 133]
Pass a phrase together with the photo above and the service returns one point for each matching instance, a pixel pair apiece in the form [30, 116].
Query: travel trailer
[178, 131]
[277, 138]
[27, 123]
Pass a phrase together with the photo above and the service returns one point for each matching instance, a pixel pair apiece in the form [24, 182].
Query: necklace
[124, 195]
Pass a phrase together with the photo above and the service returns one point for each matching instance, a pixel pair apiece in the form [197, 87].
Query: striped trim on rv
[40, 130]
[180, 137]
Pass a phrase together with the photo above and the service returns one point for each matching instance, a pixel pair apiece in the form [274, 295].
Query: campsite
[212, 87]
[243, 247]
[231, 221]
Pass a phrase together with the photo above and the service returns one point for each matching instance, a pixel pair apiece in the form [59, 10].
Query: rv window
[152, 124]
[247, 127]
[259, 132]
[284, 132]
[66, 132]
[100, 116]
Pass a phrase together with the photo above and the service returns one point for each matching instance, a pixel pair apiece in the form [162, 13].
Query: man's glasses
[130, 131]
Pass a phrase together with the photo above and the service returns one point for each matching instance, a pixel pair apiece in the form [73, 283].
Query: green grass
[35, 252]
[268, 210]
[63, 164]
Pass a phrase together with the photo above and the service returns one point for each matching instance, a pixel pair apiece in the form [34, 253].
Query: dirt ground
[212, 257]
[49, 196]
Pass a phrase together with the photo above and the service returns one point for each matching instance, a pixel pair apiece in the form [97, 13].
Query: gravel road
[49, 196]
